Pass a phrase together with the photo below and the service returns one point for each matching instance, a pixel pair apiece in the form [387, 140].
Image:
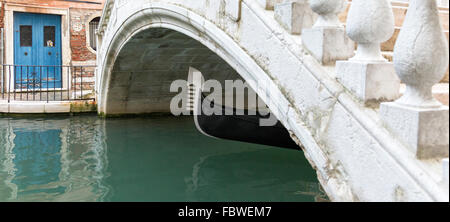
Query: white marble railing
[420, 60]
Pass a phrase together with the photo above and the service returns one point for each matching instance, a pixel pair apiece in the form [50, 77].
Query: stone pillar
[368, 75]
[421, 60]
[327, 40]
[295, 15]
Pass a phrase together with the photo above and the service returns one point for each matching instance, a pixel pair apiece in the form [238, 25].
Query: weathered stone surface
[328, 44]
[368, 74]
[269, 4]
[400, 10]
[4, 107]
[327, 40]
[26, 107]
[417, 118]
[233, 10]
[57, 107]
[356, 151]
[445, 170]
[425, 131]
[424, 63]
[295, 15]
[328, 11]
[151, 61]
[369, 23]
[369, 80]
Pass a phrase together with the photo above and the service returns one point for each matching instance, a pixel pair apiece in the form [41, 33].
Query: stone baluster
[295, 15]
[327, 40]
[421, 60]
[368, 75]
[328, 11]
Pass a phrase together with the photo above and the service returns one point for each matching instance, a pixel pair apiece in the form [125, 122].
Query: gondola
[244, 128]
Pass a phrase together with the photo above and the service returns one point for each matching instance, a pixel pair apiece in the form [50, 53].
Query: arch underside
[150, 62]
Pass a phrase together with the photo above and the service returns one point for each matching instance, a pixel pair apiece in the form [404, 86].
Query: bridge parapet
[358, 156]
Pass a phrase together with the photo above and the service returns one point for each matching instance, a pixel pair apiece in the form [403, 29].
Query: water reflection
[52, 160]
[42, 164]
[253, 173]
[85, 158]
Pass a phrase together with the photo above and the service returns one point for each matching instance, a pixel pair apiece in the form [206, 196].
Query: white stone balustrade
[295, 15]
[327, 40]
[420, 59]
[368, 75]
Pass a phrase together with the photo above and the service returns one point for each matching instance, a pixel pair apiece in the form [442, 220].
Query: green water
[86, 158]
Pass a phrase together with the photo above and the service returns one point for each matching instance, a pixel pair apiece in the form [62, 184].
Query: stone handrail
[420, 60]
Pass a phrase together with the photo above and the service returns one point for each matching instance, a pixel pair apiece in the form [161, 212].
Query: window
[49, 36]
[26, 35]
[93, 25]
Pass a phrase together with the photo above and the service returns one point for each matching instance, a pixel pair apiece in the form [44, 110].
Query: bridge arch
[164, 16]
[355, 156]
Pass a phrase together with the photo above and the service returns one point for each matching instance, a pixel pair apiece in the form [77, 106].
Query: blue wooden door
[37, 51]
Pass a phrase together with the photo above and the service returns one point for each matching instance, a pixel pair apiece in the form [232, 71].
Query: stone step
[294, 15]
[269, 4]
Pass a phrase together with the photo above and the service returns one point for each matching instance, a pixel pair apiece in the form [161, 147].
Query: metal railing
[47, 83]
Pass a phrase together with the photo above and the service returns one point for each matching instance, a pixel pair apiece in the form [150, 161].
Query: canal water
[86, 158]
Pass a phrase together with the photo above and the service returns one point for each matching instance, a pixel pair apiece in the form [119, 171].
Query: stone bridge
[301, 61]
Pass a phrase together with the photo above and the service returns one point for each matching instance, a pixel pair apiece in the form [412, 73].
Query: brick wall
[2, 14]
[79, 20]
[83, 83]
